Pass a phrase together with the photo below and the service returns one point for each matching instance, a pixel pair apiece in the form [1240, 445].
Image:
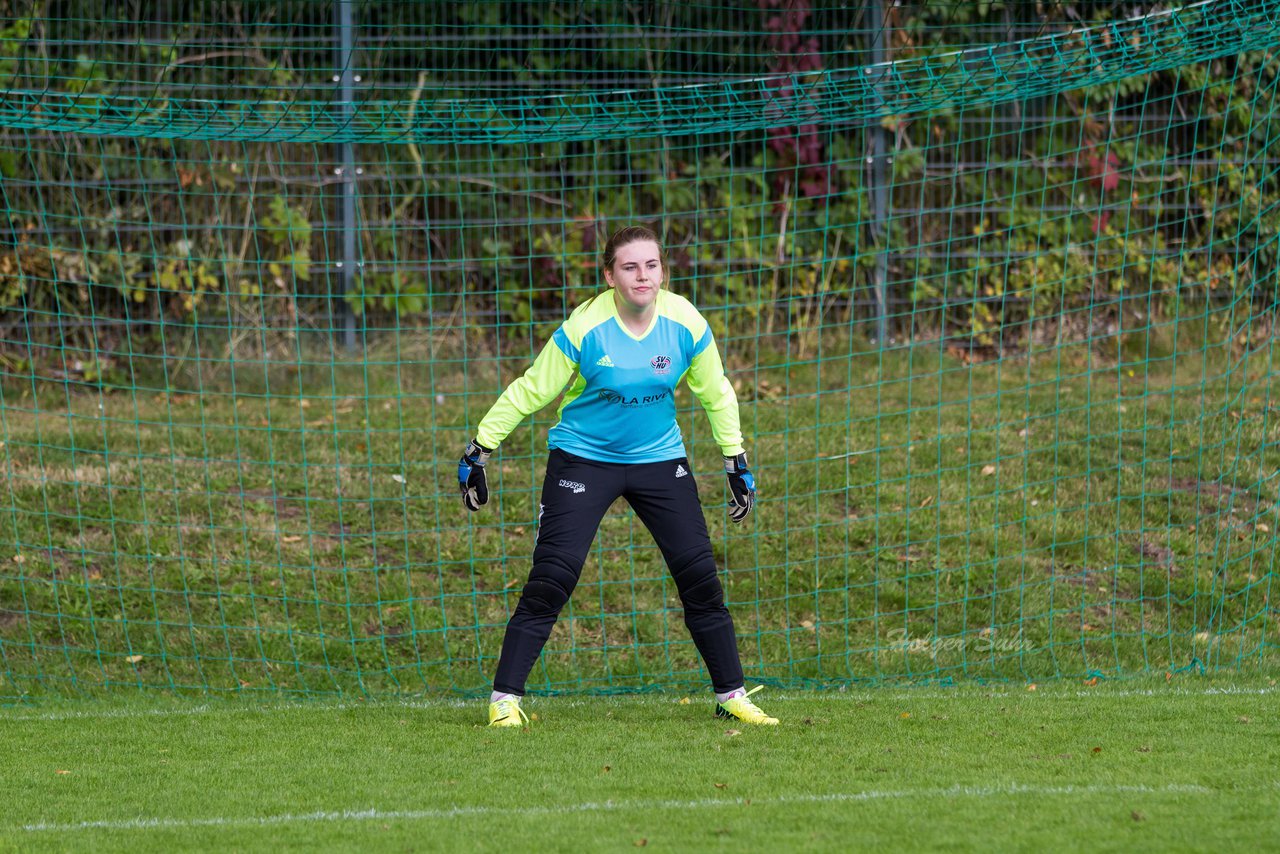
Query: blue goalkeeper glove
[742, 487]
[471, 477]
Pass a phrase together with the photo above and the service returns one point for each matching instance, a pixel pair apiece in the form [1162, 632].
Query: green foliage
[11, 38]
[288, 232]
[401, 294]
[30, 274]
[183, 282]
[122, 271]
[528, 240]
[13, 281]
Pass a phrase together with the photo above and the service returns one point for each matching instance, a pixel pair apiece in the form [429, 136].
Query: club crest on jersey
[661, 364]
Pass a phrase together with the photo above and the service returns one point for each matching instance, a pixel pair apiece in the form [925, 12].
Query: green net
[995, 283]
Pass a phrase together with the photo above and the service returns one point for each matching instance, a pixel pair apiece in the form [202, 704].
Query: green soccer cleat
[742, 709]
[507, 713]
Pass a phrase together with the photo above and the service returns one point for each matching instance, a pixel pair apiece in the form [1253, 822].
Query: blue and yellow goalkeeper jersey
[621, 406]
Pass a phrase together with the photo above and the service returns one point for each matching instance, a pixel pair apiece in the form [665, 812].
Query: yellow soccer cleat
[507, 713]
[740, 708]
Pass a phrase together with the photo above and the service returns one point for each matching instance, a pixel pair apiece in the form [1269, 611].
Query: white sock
[736, 692]
[498, 695]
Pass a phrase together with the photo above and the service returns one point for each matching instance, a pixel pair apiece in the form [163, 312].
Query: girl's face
[636, 273]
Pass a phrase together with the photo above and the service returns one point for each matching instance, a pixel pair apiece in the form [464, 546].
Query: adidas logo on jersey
[605, 361]
[680, 470]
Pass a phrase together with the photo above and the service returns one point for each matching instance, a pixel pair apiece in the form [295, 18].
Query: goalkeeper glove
[742, 487]
[471, 477]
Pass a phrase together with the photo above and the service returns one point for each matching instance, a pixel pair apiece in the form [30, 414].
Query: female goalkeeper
[618, 436]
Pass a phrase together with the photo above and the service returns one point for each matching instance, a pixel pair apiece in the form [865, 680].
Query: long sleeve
[538, 386]
[707, 380]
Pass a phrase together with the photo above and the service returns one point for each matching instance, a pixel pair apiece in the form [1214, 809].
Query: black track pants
[575, 495]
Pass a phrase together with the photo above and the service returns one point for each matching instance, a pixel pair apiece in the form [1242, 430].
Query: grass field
[1102, 507]
[1184, 765]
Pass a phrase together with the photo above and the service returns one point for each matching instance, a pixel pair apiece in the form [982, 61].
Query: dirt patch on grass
[1213, 489]
[66, 563]
[286, 507]
[392, 633]
[1157, 554]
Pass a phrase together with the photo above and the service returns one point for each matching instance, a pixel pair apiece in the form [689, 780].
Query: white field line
[1048, 692]
[1010, 790]
[216, 709]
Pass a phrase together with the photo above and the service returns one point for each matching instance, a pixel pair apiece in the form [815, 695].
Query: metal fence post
[879, 160]
[344, 316]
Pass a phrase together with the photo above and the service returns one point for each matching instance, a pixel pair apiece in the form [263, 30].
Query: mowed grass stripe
[1138, 765]
[356, 815]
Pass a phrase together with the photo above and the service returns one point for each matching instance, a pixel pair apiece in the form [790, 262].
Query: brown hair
[630, 234]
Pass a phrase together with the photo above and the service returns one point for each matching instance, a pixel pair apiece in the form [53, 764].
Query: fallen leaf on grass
[291, 539]
[721, 785]
[640, 843]
[1097, 750]
[684, 701]
[60, 771]
[1244, 719]
[1091, 682]
[732, 732]
[1031, 687]
[134, 659]
[905, 715]
[1137, 816]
